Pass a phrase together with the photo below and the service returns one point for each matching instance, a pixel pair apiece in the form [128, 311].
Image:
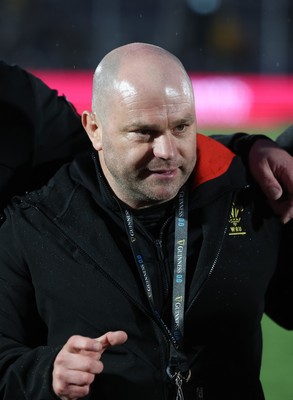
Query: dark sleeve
[240, 143]
[285, 139]
[39, 131]
[25, 359]
[279, 296]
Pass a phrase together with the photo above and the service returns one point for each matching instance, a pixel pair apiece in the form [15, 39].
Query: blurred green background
[277, 367]
[271, 132]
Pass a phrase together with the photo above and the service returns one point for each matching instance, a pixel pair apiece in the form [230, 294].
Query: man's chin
[163, 196]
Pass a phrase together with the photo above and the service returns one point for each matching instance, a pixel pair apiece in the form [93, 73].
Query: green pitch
[277, 366]
[272, 132]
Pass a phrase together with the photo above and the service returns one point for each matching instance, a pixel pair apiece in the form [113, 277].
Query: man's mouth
[164, 172]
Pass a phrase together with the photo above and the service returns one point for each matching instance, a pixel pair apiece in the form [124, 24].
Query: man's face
[148, 142]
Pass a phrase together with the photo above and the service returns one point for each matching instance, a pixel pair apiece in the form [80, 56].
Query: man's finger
[267, 181]
[112, 339]
[283, 208]
[76, 344]
[272, 190]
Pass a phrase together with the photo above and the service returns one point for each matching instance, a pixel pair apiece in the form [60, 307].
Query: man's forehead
[129, 88]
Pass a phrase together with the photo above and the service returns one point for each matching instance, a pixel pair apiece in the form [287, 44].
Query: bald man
[47, 132]
[142, 270]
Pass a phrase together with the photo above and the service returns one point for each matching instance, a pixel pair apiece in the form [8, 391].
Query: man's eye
[181, 128]
[144, 132]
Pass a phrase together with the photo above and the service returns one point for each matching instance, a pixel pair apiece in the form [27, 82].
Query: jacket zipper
[219, 248]
[163, 261]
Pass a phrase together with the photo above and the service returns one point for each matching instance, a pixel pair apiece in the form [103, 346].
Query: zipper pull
[178, 382]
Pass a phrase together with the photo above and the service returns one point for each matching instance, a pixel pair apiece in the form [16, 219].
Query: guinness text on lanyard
[177, 370]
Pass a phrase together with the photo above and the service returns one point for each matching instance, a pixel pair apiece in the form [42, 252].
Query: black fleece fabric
[66, 268]
[39, 131]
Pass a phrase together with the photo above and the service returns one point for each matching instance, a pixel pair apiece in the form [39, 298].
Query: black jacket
[39, 132]
[66, 268]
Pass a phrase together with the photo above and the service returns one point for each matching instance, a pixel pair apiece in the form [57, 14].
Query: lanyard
[180, 255]
[175, 370]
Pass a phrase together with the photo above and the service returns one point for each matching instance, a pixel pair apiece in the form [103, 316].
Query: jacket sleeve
[285, 139]
[25, 359]
[40, 131]
[240, 143]
[279, 296]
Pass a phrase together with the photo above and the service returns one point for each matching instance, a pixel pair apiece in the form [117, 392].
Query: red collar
[213, 159]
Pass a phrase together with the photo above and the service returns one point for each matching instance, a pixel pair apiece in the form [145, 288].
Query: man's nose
[164, 146]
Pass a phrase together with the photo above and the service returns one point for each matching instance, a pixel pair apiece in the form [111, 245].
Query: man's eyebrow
[133, 126]
[143, 126]
[187, 120]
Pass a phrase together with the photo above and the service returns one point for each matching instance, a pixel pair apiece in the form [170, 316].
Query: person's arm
[29, 367]
[285, 139]
[39, 131]
[25, 359]
[270, 165]
[279, 295]
[79, 361]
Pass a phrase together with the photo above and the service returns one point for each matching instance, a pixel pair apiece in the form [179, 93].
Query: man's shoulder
[50, 196]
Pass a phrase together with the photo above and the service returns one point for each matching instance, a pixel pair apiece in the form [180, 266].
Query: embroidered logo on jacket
[235, 221]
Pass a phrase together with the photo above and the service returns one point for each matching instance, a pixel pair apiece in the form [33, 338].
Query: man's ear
[92, 128]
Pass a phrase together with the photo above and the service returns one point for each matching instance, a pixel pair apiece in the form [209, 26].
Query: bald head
[143, 123]
[132, 65]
